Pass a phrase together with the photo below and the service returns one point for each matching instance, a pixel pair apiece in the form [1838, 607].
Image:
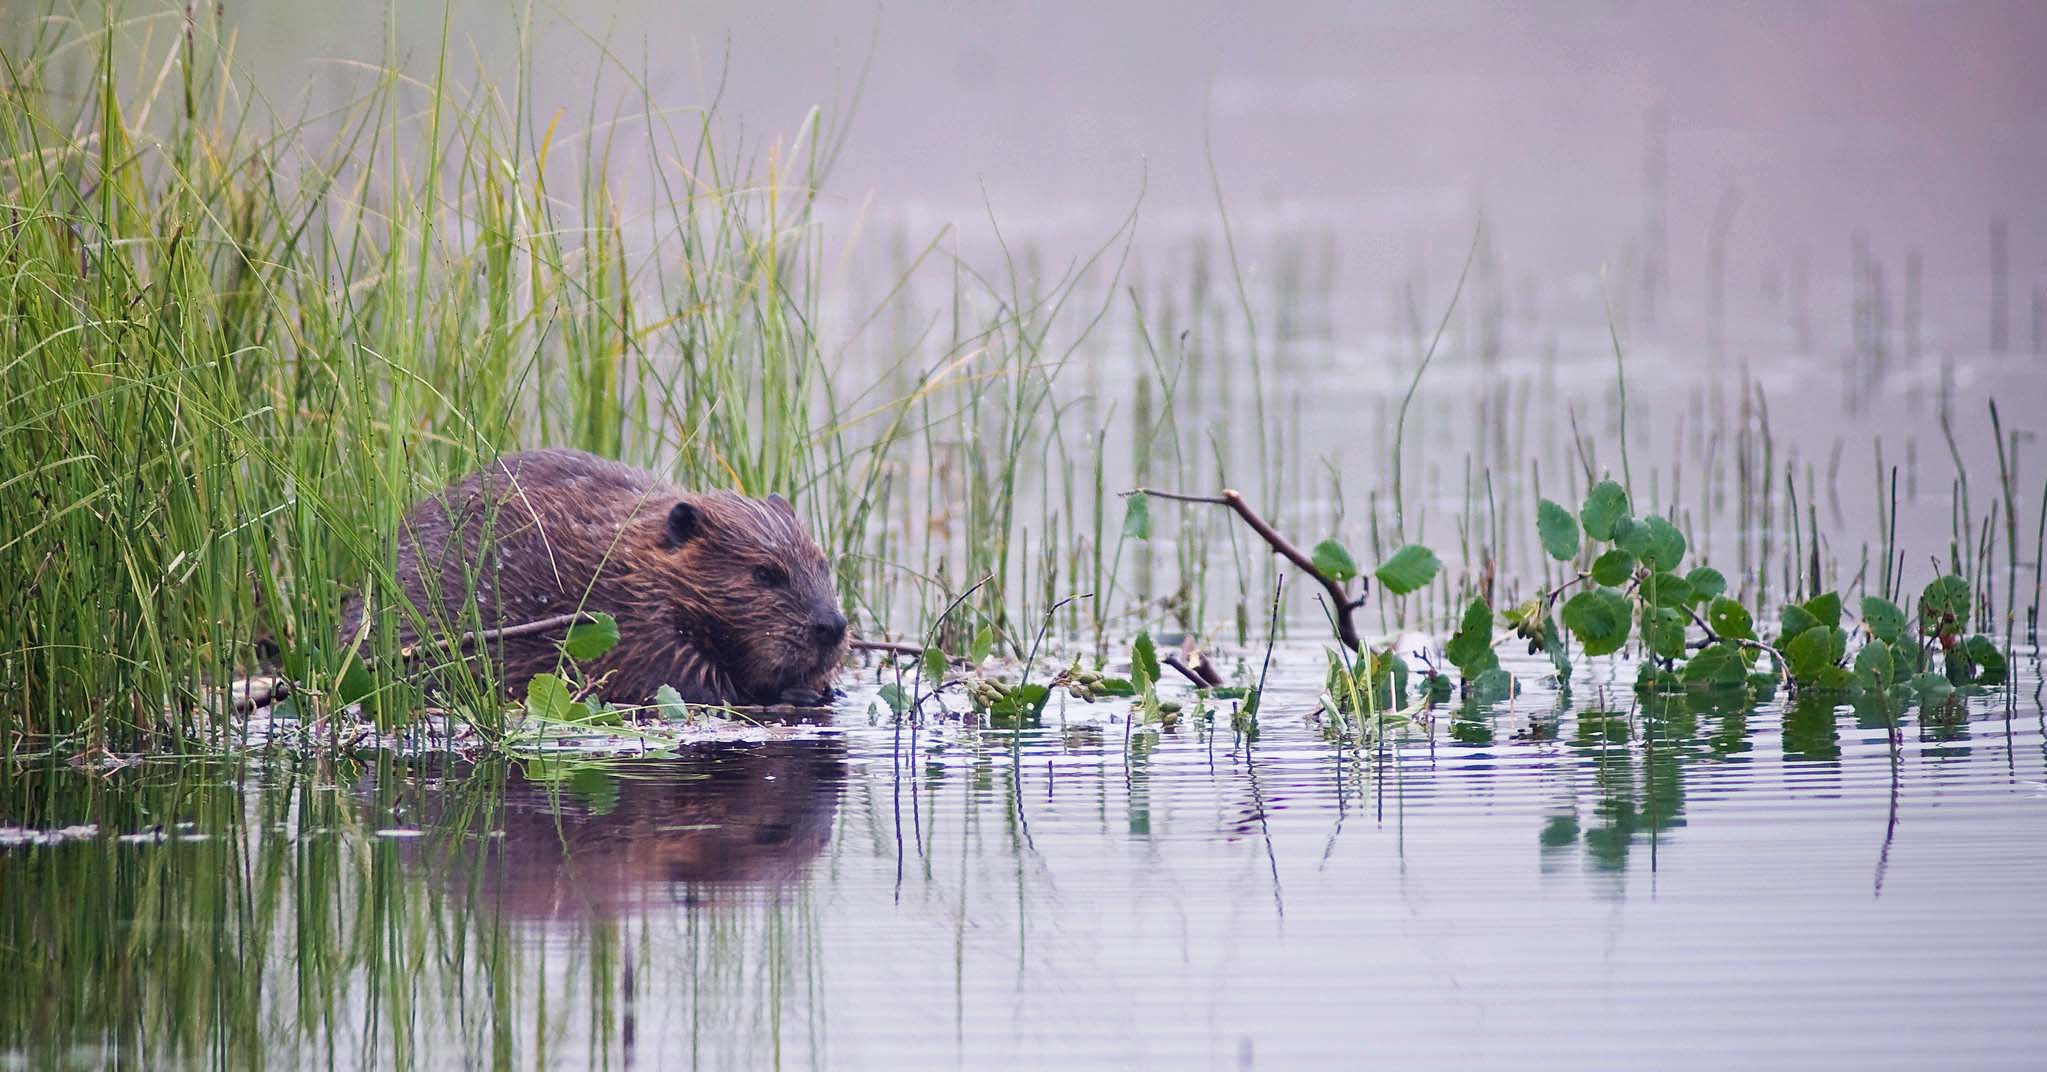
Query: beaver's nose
[829, 630]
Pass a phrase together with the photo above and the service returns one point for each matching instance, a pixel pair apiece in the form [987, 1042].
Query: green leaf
[1825, 609]
[893, 695]
[299, 664]
[1873, 664]
[1607, 504]
[1335, 562]
[1905, 658]
[1796, 621]
[1471, 649]
[1553, 646]
[1944, 606]
[1613, 568]
[1707, 583]
[590, 640]
[1492, 685]
[1656, 542]
[1522, 613]
[1021, 705]
[1409, 569]
[1990, 663]
[1812, 651]
[669, 703]
[356, 684]
[1599, 618]
[1716, 665]
[984, 644]
[1886, 622]
[547, 698]
[1664, 631]
[1559, 531]
[1115, 686]
[932, 665]
[1137, 516]
[1667, 590]
[1730, 619]
[1833, 677]
[1932, 688]
[1144, 661]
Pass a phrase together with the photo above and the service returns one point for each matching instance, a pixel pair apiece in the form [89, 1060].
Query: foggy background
[1589, 135]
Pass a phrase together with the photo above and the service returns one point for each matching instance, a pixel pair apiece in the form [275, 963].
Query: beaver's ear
[683, 524]
[776, 500]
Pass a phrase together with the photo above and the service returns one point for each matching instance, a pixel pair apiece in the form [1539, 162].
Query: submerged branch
[1346, 605]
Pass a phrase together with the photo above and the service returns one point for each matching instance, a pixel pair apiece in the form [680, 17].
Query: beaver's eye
[770, 576]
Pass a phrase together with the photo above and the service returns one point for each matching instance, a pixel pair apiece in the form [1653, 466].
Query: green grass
[238, 348]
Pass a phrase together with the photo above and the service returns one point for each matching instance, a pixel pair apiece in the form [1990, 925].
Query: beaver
[725, 598]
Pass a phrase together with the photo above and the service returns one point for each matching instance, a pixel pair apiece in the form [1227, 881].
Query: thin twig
[1346, 628]
[1783, 666]
[509, 632]
[899, 647]
[1549, 598]
[891, 647]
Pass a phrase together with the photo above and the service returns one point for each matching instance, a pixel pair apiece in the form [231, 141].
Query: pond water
[1671, 884]
[1568, 879]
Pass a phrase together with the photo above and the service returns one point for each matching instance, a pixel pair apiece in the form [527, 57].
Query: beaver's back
[529, 536]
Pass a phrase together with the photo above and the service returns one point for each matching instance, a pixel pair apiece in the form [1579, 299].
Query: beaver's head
[754, 590]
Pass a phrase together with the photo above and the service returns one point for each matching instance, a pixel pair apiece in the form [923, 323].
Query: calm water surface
[1670, 884]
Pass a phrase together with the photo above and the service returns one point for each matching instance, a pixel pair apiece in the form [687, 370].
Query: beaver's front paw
[809, 696]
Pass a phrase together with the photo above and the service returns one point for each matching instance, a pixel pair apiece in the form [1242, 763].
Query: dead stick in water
[1203, 674]
[1346, 629]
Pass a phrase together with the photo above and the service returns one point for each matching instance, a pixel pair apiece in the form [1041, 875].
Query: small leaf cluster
[1900, 659]
[568, 698]
[1634, 579]
[1009, 705]
[1636, 586]
[1407, 570]
[1375, 680]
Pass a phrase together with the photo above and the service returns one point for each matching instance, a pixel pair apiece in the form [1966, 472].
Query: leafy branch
[1346, 605]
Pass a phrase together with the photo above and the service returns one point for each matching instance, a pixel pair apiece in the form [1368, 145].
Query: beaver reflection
[666, 831]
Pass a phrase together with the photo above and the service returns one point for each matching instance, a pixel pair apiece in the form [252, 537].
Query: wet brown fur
[724, 597]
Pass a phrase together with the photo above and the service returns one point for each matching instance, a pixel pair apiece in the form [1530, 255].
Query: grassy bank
[237, 348]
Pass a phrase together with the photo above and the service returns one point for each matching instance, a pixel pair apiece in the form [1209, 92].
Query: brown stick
[1346, 606]
[1203, 676]
[891, 647]
[510, 632]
